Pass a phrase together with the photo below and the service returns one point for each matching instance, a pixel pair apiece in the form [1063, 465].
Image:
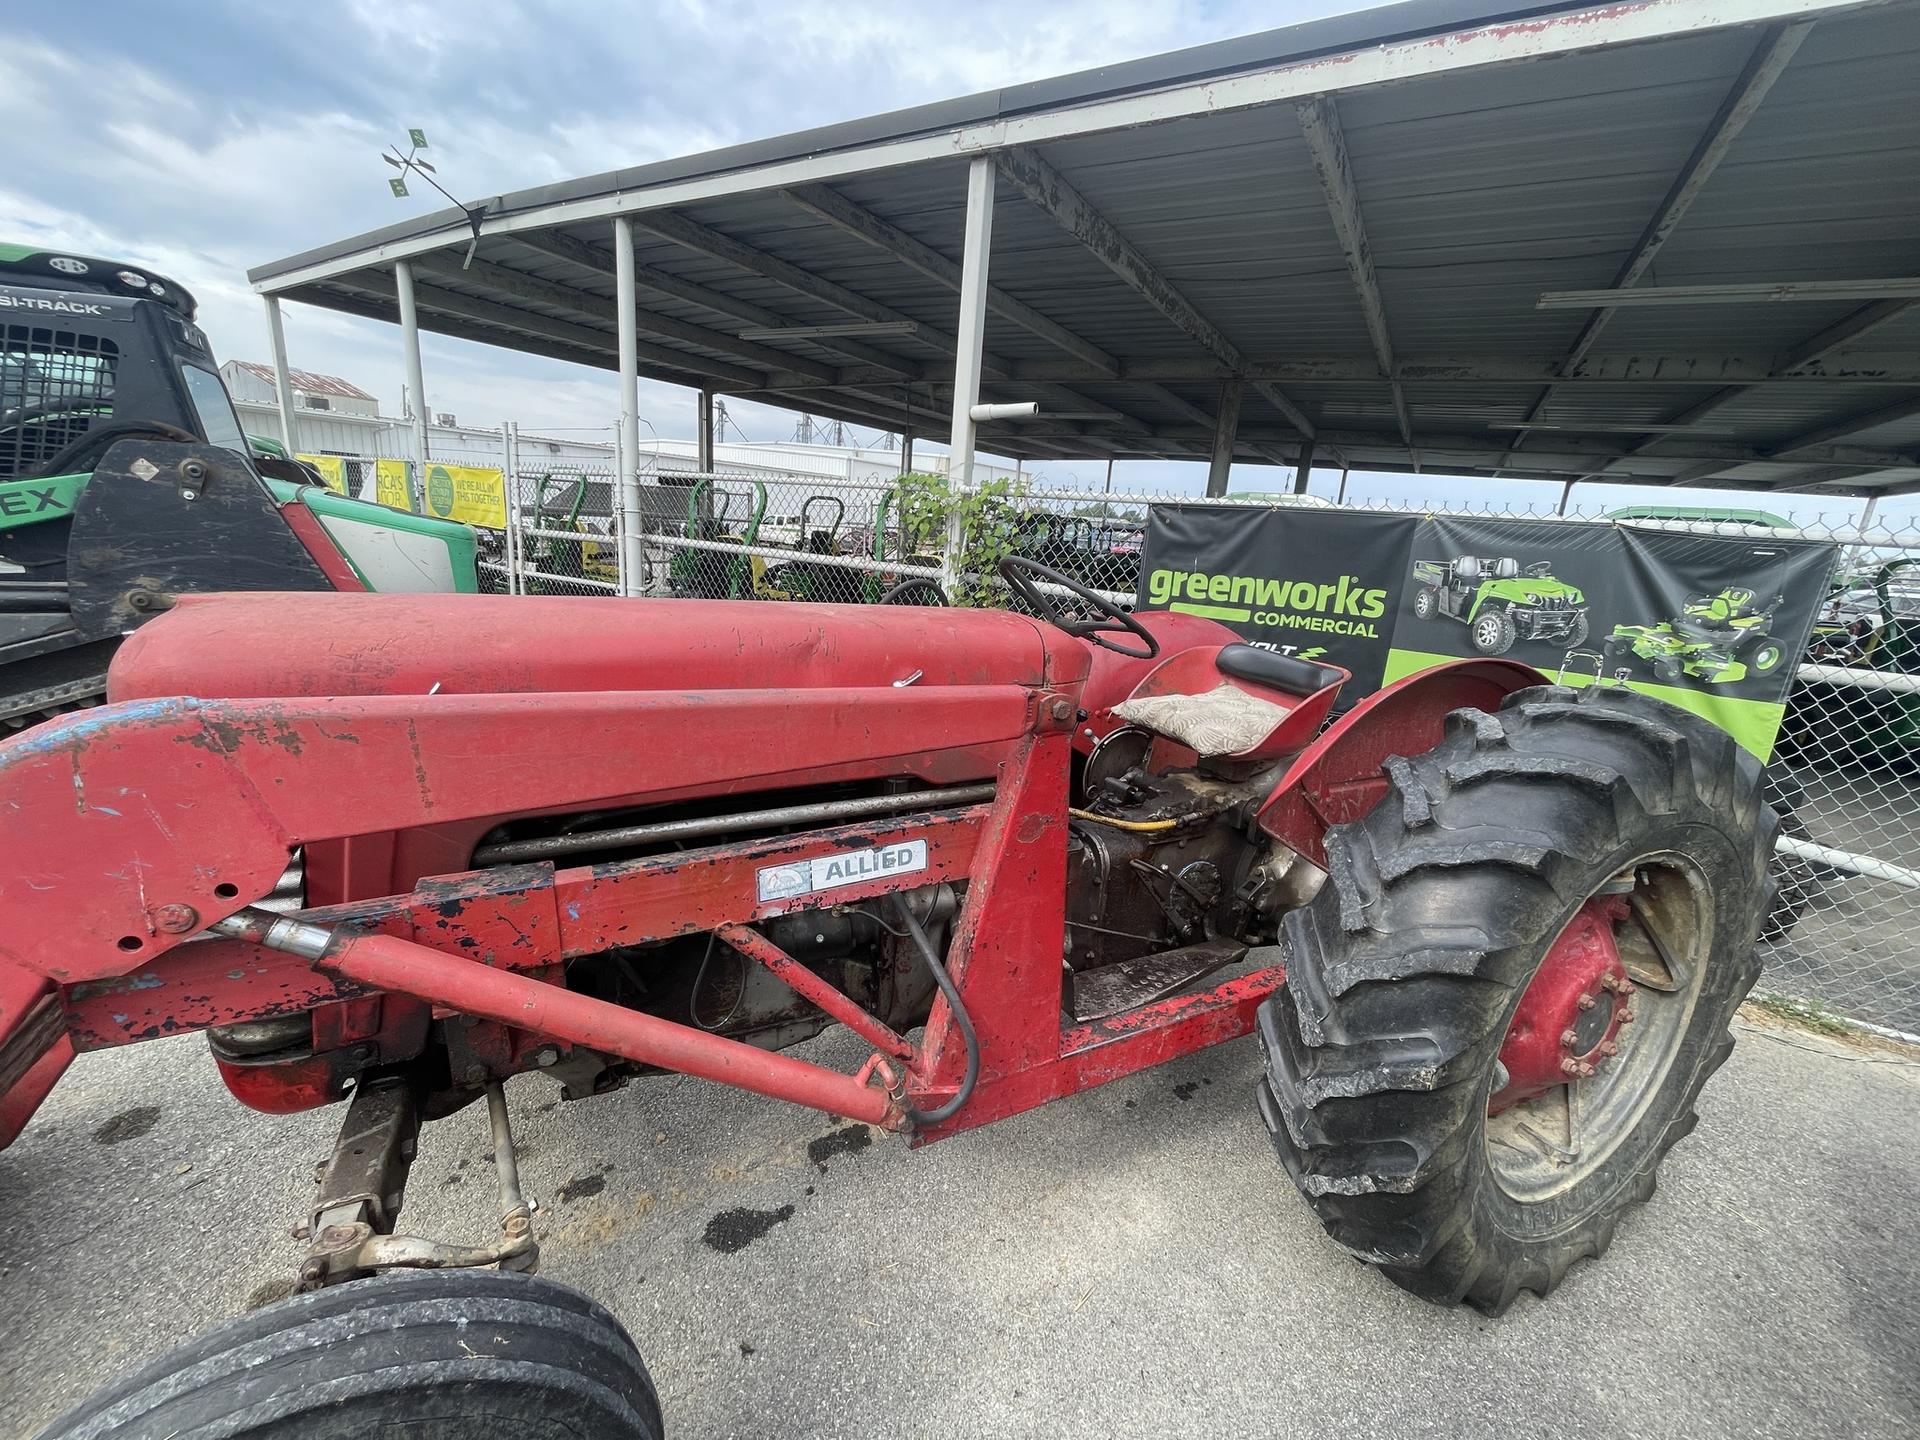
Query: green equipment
[1870, 623]
[125, 480]
[698, 574]
[1499, 604]
[806, 579]
[1717, 639]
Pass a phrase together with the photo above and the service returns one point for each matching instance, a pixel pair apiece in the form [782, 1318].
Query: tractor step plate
[1112, 989]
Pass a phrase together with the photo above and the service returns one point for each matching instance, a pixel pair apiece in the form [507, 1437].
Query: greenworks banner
[1320, 584]
[1713, 623]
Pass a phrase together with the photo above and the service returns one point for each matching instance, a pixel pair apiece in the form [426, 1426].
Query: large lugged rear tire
[453, 1355]
[1407, 971]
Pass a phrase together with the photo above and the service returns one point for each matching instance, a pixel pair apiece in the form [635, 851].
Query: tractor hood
[261, 645]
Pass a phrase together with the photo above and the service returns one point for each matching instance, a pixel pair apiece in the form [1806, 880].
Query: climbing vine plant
[988, 519]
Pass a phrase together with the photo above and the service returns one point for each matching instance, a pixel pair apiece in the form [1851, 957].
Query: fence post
[510, 443]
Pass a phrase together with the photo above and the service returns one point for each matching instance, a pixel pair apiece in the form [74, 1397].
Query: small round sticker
[440, 490]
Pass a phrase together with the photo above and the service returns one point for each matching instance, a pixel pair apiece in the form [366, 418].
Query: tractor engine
[1168, 877]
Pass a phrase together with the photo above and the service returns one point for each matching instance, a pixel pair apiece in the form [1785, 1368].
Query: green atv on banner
[1499, 603]
[1717, 639]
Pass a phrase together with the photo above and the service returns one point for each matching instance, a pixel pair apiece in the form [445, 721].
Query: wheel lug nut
[1608, 1048]
[1625, 1017]
[1586, 1070]
[1568, 1039]
[1587, 1002]
[1569, 1067]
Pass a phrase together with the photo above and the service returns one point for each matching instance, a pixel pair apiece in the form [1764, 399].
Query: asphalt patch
[732, 1231]
[581, 1186]
[127, 1125]
[847, 1140]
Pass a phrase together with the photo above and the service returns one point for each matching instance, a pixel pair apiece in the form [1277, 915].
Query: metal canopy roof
[1345, 228]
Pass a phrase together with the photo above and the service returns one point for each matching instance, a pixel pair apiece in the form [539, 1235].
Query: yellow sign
[470, 493]
[333, 471]
[390, 485]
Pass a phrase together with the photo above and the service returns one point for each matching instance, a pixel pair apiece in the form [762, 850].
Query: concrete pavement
[1128, 1262]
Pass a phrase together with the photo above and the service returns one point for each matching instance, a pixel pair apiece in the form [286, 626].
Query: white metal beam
[1760, 293]
[416, 377]
[969, 353]
[1320, 124]
[282, 379]
[626, 307]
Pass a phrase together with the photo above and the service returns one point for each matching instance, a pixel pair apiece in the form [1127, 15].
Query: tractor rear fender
[1340, 777]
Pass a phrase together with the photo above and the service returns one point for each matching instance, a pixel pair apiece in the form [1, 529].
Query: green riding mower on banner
[1718, 639]
[1498, 603]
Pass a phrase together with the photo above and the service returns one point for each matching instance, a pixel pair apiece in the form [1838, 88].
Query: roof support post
[416, 382]
[703, 427]
[282, 379]
[970, 346]
[628, 450]
[1226, 429]
[1303, 469]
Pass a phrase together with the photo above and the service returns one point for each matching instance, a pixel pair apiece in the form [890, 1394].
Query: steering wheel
[1022, 575]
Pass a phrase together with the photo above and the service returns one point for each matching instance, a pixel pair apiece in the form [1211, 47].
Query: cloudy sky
[204, 138]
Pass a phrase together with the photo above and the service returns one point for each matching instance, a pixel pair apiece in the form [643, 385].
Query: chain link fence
[1845, 776]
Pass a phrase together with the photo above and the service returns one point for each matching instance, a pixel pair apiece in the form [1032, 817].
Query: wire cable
[960, 1018]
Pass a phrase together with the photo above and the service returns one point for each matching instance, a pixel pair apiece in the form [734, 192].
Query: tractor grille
[55, 385]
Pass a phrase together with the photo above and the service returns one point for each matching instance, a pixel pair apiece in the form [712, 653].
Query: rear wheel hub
[1568, 1022]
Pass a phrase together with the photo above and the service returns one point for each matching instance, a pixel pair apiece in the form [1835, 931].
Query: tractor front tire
[1493, 631]
[1406, 973]
[446, 1355]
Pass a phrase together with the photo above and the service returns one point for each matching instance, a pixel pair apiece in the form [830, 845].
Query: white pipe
[1846, 860]
[631, 560]
[282, 380]
[970, 341]
[1012, 410]
[1861, 679]
[510, 441]
[416, 380]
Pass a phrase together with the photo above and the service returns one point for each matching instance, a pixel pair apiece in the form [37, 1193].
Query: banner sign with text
[474, 494]
[333, 470]
[1714, 623]
[390, 484]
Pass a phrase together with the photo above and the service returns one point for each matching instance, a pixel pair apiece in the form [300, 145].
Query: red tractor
[393, 850]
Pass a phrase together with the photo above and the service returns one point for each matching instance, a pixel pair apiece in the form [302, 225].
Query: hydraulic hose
[968, 1038]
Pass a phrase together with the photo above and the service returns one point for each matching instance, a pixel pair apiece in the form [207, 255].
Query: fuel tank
[256, 645]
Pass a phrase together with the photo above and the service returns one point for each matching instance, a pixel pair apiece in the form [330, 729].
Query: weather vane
[411, 162]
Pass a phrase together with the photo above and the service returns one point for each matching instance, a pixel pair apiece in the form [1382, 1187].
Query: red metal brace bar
[810, 986]
[384, 963]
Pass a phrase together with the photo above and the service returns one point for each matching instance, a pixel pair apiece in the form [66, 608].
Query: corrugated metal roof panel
[1478, 189]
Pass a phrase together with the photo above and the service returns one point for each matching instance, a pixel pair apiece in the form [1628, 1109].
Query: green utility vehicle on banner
[1498, 603]
[1717, 639]
[125, 480]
